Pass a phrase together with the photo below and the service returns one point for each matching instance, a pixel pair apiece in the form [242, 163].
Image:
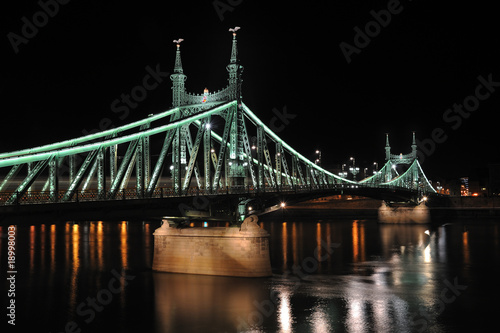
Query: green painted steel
[260, 163]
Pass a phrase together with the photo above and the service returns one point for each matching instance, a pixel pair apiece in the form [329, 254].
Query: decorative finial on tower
[387, 148]
[414, 146]
[234, 30]
[235, 70]
[178, 41]
[178, 78]
[178, 62]
[234, 49]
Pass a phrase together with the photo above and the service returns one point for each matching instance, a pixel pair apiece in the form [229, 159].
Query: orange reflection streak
[147, 243]
[91, 240]
[123, 244]
[75, 241]
[32, 248]
[67, 242]
[355, 241]
[284, 244]
[318, 244]
[100, 239]
[358, 241]
[294, 244]
[465, 242]
[52, 248]
[42, 247]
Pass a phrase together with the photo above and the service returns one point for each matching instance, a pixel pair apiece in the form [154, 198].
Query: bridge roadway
[226, 204]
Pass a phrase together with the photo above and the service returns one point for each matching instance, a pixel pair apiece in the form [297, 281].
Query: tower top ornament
[234, 30]
[178, 41]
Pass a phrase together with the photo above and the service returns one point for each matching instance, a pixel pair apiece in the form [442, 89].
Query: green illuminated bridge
[208, 155]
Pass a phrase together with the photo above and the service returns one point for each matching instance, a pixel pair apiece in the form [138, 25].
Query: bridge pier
[235, 251]
[404, 214]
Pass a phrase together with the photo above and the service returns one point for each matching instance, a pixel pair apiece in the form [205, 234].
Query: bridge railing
[46, 197]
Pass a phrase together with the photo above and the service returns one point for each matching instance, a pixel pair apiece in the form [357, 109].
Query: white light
[249, 208]
[282, 205]
[171, 167]
[207, 126]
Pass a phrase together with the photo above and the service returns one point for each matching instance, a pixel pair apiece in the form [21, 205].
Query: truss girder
[270, 163]
[30, 178]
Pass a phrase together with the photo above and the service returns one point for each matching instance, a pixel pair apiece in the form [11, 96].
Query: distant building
[464, 187]
[494, 179]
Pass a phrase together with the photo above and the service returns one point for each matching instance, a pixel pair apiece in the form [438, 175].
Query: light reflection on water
[328, 276]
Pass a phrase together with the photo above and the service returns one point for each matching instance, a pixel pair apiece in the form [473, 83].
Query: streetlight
[343, 173]
[354, 170]
[376, 167]
[318, 160]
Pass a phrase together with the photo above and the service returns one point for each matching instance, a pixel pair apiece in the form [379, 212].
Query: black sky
[428, 57]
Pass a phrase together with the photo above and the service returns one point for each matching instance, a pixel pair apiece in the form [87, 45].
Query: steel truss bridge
[208, 145]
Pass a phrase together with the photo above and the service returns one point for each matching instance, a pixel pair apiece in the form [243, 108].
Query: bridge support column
[53, 183]
[404, 214]
[232, 251]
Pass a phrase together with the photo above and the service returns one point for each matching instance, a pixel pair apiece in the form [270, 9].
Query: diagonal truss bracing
[160, 154]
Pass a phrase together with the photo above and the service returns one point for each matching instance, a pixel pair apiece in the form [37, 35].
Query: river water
[328, 276]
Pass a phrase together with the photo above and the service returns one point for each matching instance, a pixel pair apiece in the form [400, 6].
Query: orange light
[475, 194]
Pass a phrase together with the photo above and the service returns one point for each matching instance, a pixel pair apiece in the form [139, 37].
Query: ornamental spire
[234, 49]
[178, 78]
[387, 148]
[178, 62]
[235, 70]
[414, 146]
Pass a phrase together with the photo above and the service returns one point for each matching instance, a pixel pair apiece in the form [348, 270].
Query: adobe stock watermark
[127, 101]
[122, 107]
[267, 307]
[222, 6]
[448, 295]
[30, 28]
[363, 37]
[280, 120]
[455, 115]
[87, 309]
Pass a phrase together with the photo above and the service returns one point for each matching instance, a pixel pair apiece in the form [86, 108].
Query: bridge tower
[178, 78]
[179, 155]
[392, 160]
[237, 170]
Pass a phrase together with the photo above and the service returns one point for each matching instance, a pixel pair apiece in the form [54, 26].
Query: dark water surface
[328, 276]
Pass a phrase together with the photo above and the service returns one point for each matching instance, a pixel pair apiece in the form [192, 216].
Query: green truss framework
[244, 154]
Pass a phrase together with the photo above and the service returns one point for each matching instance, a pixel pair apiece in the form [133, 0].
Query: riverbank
[360, 208]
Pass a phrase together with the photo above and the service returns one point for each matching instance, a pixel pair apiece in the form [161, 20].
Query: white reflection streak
[320, 321]
[427, 253]
[285, 312]
[355, 320]
[381, 315]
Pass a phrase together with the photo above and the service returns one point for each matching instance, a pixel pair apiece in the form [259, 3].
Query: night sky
[426, 58]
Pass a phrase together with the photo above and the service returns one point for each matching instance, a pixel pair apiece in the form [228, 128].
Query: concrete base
[213, 251]
[404, 214]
